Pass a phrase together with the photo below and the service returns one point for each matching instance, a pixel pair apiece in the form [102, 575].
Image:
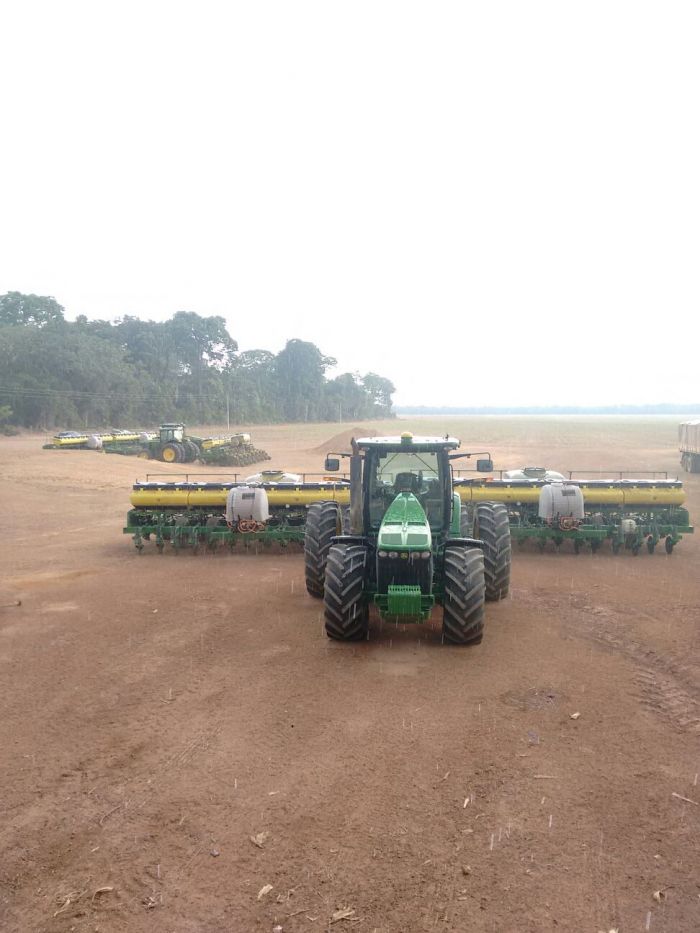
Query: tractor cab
[413, 467]
[172, 432]
[382, 468]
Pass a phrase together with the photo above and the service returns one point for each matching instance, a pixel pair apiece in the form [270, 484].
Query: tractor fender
[465, 542]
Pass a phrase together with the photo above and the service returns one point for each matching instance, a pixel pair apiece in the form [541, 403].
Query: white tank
[535, 473]
[628, 526]
[274, 476]
[559, 500]
[237, 440]
[94, 442]
[244, 503]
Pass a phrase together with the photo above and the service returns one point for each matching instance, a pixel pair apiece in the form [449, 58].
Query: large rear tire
[170, 453]
[466, 520]
[463, 603]
[191, 450]
[492, 527]
[323, 522]
[345, 606]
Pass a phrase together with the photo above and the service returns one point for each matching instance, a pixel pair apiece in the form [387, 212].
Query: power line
[82, 395]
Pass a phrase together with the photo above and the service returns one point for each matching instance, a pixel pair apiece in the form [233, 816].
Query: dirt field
[159, 711]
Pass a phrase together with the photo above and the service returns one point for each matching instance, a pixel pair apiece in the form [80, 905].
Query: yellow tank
[301, 496]
[489, 492]
[120, 437]
[209, 442]
[82, 439]
[165, 497]
[624, 493]
[504, 492]
[173, 496]
[654, 495]
[69, 441]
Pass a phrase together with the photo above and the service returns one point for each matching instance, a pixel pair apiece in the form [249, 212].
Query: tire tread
[491, 525]
[345, 607]
[463, 609]
[322, 524]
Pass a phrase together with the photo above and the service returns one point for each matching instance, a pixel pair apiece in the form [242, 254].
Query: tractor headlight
[383, 554]
[425, 555]
[393, 554]
[404, 555]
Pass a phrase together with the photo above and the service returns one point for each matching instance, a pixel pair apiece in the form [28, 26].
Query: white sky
[489, 203]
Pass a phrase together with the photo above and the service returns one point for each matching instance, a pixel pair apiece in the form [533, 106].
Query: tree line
[660, 408]
[129, 372]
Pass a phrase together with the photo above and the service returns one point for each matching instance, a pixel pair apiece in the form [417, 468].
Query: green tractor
[170, 445]
[173, 445]
[408, 542]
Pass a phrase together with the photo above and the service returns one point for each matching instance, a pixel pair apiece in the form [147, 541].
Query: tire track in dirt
[662, 694]
[667, 685]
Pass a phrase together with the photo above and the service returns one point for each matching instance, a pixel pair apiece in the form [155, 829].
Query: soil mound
[341, 441]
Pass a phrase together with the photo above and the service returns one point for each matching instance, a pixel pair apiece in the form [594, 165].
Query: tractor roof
[407, 441]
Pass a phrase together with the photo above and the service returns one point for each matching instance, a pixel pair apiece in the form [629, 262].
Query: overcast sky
[489, 203]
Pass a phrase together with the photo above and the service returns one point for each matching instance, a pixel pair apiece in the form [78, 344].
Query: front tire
[345, 606]
[323, 522]
[463, 603]
[491, 525]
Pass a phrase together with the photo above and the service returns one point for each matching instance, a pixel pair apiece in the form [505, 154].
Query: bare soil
[178, 734]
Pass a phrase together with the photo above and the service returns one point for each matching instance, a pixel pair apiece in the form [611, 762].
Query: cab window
[402, 471]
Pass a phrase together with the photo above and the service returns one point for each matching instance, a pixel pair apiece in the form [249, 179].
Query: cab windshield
[402, 471]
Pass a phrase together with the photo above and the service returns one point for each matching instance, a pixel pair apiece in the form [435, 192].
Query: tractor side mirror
[484, 466]
[332, 464]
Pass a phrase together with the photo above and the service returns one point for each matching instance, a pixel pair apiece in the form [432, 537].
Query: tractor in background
[172, 444]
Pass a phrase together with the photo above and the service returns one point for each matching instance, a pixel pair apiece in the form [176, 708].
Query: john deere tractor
[408, 542]
[172, 444]
[169, 444]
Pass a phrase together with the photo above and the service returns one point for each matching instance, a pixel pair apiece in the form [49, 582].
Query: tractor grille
[410, 571]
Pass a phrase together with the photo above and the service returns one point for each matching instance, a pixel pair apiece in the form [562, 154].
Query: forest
[56, 373]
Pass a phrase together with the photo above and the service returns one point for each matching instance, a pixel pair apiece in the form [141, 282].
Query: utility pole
[228, 413]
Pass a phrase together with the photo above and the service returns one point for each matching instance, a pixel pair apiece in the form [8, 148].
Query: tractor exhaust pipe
[355, 490]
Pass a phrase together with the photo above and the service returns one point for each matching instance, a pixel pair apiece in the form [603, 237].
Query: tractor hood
[405, 526]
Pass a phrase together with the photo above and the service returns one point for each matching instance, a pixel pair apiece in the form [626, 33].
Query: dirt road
[184, 751]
